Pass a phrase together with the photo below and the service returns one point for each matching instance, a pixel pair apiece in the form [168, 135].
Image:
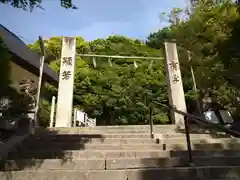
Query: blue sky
[93, 18]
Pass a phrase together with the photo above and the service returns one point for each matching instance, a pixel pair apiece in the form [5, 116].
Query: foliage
[115, 91]
[31, 4]
[44, 113]
[157, 39]
[53, 50]
[211, 34]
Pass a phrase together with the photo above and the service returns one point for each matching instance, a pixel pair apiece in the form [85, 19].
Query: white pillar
[66, 82]
[75, 117]
[52, 111]
[174, 82]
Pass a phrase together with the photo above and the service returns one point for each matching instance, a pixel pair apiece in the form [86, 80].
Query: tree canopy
[31, 4]
[211, 34]
[115, 91]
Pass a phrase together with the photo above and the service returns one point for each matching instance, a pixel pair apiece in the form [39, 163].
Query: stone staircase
[122, 153]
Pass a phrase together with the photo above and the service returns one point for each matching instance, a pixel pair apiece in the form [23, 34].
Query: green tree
[213, 42]
[118, 92]
[115, 91]
[157, 39]
[31, 4]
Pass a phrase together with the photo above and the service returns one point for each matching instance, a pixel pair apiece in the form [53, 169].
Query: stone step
[116, 130]
[44, 154]
[121, 127]
[165, 132]
[92, 135]
[182, 135]
[170, 162]
[168, 142]
[59, 140]
[180, 173]
[114, 164]
[168, 145]
[81, 146]
[211, 145]
[194, 135]
[201, 138]
[91, 131]
[104, 134]
[60, 154]
[102, 137]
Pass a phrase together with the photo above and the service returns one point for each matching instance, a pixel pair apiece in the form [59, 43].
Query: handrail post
[151, 122]
[190, 159]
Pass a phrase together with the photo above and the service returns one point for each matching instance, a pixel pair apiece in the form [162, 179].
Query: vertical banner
[174, 82]
[66, 82]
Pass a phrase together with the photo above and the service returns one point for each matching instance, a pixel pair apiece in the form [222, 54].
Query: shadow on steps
[35, 159]
[223, 165]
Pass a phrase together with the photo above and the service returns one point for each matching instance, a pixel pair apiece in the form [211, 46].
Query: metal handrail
[187, 117]
[201, 120]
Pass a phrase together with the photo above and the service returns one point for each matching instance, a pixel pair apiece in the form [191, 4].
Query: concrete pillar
[174, 83]
[66, 82]
[75, 117]
[52, 111]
